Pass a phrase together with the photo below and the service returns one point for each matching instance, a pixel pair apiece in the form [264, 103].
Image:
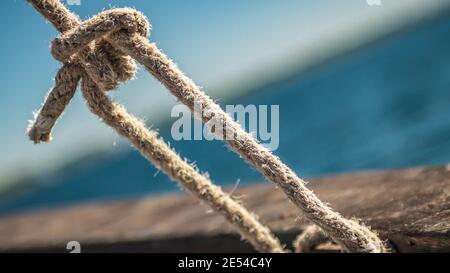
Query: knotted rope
[101, 45]
[88, 54]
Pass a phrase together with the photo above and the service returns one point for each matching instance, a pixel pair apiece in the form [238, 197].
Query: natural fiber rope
[101, 67]
[311, 236]
[124, 30]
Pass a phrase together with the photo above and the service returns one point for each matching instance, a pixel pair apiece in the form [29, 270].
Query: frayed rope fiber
[101, 48]
[92, 59]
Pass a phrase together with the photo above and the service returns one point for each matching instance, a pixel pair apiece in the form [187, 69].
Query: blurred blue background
[359, 88]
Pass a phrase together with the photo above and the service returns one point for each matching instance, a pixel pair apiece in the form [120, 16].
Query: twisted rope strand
[66, 82]
[101, 68]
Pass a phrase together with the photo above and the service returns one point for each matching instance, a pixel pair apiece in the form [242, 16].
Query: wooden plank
[409, 208]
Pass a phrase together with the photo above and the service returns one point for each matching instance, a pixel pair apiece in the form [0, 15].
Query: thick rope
[122, 28]
[309, 239]
[101, 67]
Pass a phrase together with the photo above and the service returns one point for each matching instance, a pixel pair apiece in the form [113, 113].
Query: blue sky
[217, 43]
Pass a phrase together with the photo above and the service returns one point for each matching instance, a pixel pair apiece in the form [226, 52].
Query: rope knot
[87, 44]
[98, 52]
[87, 52]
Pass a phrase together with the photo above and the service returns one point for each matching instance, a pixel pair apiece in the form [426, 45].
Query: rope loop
[87, 45]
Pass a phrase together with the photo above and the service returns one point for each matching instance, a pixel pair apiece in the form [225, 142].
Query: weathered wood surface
[409, 208]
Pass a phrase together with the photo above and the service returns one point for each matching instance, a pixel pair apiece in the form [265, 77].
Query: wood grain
[410, 209]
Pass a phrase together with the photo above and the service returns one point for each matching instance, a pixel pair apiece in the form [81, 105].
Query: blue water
[384, 106]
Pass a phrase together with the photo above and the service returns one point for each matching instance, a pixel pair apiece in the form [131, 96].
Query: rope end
[38, 136]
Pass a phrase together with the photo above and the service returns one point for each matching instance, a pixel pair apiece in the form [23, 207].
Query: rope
[125, 31]
[101, 67]
[309, 239]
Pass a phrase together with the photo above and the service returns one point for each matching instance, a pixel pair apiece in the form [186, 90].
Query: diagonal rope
[101, 67]
[123, 31]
